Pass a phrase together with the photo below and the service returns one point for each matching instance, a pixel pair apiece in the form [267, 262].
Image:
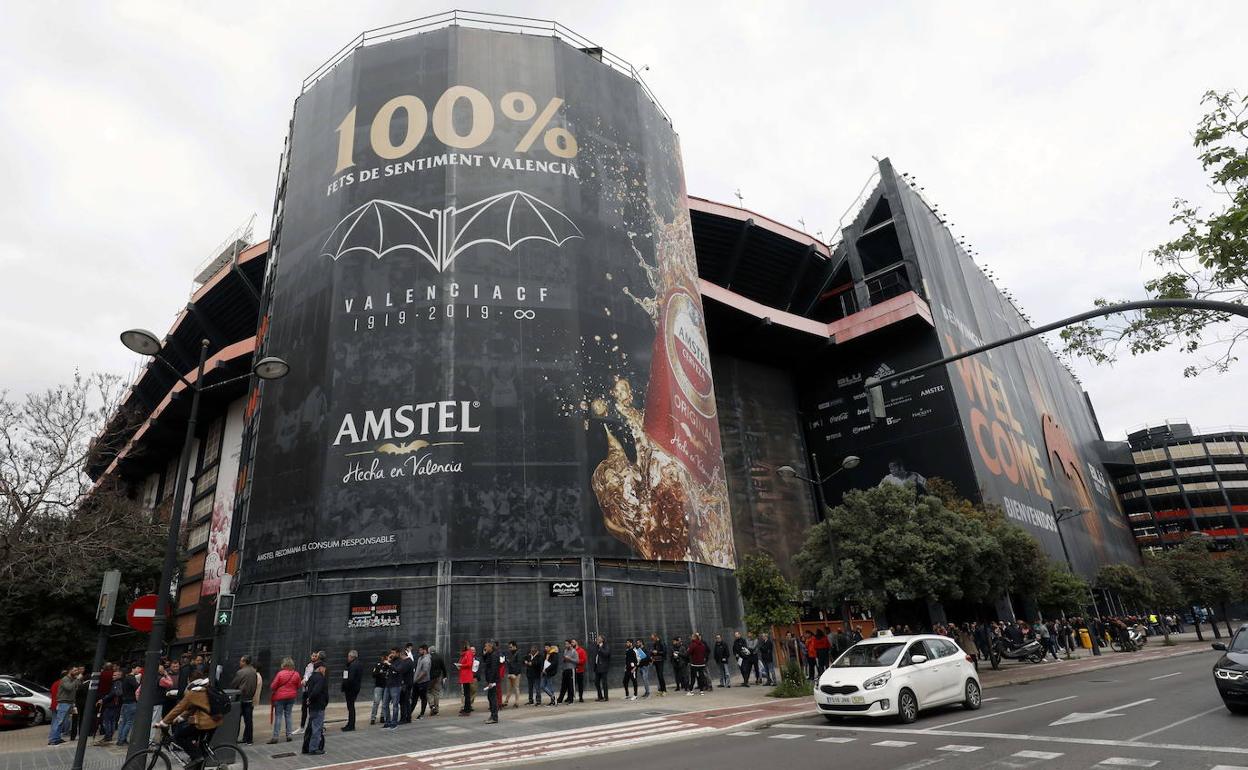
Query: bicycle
[156, 756]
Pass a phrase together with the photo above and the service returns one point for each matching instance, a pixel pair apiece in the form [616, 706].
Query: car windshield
[29, 685]
[870, 655]
[1240, 642]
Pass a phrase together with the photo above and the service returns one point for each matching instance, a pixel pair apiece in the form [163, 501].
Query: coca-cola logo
[687, 352]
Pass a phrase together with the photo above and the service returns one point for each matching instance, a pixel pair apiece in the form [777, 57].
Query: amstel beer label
[680, 404]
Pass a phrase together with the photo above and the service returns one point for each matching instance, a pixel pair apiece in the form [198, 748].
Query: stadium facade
[539, 391]
[1175, 482]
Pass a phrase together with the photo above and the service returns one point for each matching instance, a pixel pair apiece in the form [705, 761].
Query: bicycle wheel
[151, 759]
[226, 757]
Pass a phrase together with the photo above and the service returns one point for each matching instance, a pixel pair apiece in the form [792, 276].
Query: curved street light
[145, 343]
[848, 462]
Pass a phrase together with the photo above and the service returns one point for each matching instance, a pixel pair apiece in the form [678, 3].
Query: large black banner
[486, 287]
[921, 437]
[1029, 429]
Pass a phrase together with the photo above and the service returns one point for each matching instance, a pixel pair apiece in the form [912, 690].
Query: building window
[205, 485]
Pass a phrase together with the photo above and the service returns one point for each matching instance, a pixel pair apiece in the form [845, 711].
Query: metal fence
[497, 22]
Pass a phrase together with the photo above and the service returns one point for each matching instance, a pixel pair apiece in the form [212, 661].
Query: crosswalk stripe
[1037, 754]
[744, 733]
[959, 748]
[787, 736]
[1127, 762]
[1228, 767]
[835, 740]
[539, 738]
[559, 750]
[555, 742]
[894, 744]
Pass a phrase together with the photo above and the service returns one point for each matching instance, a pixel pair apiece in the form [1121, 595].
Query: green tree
[768, 596]
[49, 624]
[1026, 564]
[59, 533]
[1063, 591]
[1166, 592]
[893, 544]
[1129, 582]
[1202, 579]
[1208, 259]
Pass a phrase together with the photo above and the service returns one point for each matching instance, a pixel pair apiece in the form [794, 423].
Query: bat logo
[402, 449]
[508, 219]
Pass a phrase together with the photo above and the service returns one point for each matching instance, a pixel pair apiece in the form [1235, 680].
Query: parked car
[15, 713]
[898, 676]
[1230, 673]
[19, 690]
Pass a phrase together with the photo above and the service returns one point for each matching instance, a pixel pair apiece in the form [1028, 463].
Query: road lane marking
[1031, 738]
[1228, 767]
[959, 748]
[1037, 754]
[894, 744]
[1076, 717]
[744, 734]
[1164, 676]
[1007, 711]
[1127, 762]
[835, 739]
[786, 736]
[733, 714]
[1176, 724]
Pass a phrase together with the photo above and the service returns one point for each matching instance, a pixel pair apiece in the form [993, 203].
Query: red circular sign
[142, 612]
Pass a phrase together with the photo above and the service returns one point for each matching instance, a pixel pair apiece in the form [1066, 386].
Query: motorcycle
[1135, 641]
[1031, 651]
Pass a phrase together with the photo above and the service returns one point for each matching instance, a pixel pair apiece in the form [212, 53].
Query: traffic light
[225, 610]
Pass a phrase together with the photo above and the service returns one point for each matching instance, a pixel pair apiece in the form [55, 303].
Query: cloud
[1055, 135]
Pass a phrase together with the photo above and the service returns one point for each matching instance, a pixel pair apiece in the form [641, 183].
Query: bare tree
[54, 524]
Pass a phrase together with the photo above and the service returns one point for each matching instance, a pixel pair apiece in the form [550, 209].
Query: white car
[11, 689]
[898, 676]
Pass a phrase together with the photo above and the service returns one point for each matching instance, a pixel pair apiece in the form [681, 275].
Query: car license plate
[847, 699]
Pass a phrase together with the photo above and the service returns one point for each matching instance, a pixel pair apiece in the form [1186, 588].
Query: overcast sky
[137, 135]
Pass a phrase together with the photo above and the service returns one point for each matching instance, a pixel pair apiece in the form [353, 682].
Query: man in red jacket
[698, 654]
[467, 674]
[583, 658]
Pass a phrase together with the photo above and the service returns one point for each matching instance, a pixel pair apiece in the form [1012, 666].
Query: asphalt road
[1163, 714]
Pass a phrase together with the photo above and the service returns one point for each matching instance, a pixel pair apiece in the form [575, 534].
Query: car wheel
[974, 697]
[41, 717]
[907, 707]
[1236, 708]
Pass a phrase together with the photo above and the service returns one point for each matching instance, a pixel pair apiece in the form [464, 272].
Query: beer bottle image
[680, 411]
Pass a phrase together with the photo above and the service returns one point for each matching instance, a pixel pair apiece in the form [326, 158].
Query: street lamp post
[1065, 513]
[145, 343]
[849, 462]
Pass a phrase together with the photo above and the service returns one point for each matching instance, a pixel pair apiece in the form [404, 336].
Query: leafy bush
[793, 683]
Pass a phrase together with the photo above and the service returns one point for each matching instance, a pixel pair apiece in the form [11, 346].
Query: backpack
[218, 702]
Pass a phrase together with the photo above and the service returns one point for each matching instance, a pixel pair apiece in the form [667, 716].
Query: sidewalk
[675, 714]
[1083, 661]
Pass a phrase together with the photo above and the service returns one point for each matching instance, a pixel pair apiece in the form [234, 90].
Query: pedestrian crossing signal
[224, 617]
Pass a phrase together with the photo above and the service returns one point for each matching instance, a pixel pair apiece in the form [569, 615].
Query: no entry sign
[142, 612]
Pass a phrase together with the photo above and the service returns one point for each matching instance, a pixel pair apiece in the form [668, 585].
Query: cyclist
[192, 720]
